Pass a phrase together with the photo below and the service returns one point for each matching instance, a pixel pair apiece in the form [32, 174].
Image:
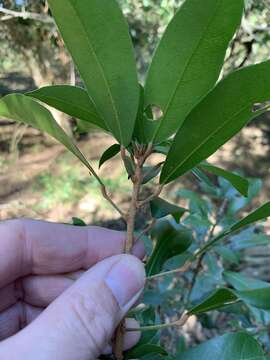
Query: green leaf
[239, 346]
[129, 166]
[218, 299]
[150, 172]
[24, 109]
[96, 35]
[161, 208]
[260, 297]
[261, 213]
[227, 254]
[246, 242]
[78, 222]
[238, 182]
[170, 242]
[202, 177]
[217, 118]
[144, 128]
[189, 58]
[145, 349]
[109, 153]
[71, 100]
[242, 282]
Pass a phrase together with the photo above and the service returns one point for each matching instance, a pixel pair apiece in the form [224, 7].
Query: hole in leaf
[261, 106]
[154, 112]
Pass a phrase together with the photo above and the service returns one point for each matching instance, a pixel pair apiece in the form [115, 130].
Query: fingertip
[139, 250]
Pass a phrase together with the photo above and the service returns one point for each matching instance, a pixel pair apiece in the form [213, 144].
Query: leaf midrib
[185, 69]
[102, 72]
[68, 103]
[206, 140]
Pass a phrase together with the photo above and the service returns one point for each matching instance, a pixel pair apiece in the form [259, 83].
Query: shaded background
[39, 179]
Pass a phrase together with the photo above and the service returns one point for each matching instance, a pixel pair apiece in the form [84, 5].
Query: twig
[180, 270]
[146, 230]
[107, 197]
[151, 197]
[137, 178]
[25, 15]
[202, 255]
[181, 322]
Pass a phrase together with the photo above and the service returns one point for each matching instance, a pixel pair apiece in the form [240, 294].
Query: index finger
[39, 247]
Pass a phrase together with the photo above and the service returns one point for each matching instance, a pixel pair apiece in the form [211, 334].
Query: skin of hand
[64, 290]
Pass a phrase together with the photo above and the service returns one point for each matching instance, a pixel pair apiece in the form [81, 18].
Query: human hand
[72, 312]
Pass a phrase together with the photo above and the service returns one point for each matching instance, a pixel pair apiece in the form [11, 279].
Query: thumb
[81, 322]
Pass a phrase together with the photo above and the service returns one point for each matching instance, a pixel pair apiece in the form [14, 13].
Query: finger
[81, 322]
[15, 318]
[38, 247]
[20, 315]
[36, 290]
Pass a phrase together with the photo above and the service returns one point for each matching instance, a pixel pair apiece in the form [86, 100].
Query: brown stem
[107, 197]
[180, 270]
[180, 322]
[137, 178]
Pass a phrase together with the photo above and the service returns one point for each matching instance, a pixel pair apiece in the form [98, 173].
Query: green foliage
[161, 208]
[241, 184]
[71, 100]
[24, 109]
[96, 35]
[109, 153]
[217, 118]
[186, 111]
[170, 242]
[181, 63]
[230, 346]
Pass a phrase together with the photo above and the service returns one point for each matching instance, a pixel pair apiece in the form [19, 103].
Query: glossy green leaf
[144, 128]
[199, 174]
[259, 214]
[145, 349]
[217, 118]
[238, 182]
[109, 153]
[161, 208]
[150, 172]
[189, 58]
[96, 35]
[259, 297]
[217, 300]
[24, 109]
[170, 242]
[238, 346]
[129, 166]
[78, 222]
[71, 100]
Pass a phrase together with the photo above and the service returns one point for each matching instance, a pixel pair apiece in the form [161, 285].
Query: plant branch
[109, 199]
[202, 255]
[180, 270]
[136, 179]
[147, 229]
[151, 197]
[180, 322]
[25, 15]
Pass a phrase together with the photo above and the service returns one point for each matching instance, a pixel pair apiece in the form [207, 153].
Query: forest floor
[45, 182]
